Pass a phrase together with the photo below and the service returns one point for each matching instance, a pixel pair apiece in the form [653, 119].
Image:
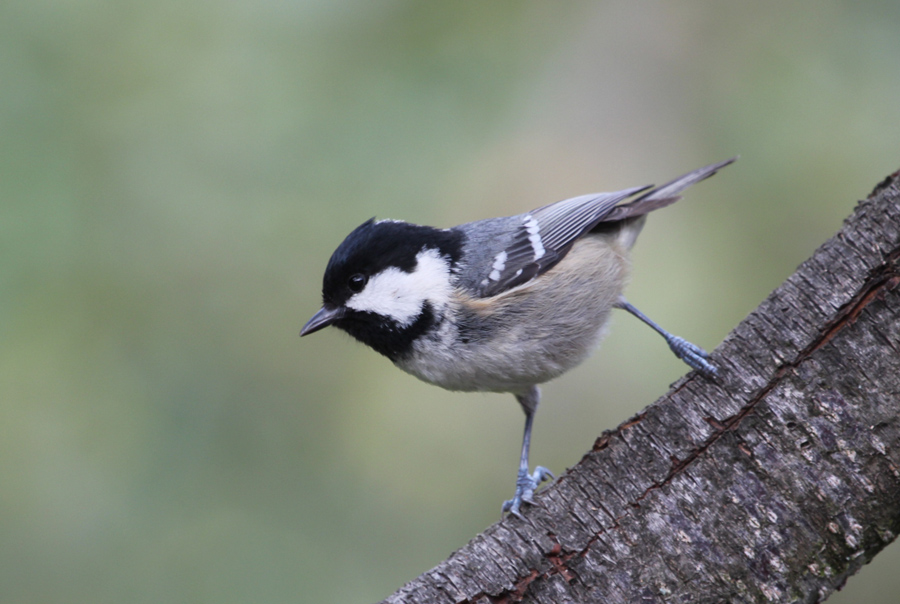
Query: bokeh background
[175, 174]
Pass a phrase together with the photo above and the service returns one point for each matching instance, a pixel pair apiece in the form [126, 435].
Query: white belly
[534, 333]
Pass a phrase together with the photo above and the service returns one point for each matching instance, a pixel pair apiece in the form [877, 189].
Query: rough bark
[772, 483]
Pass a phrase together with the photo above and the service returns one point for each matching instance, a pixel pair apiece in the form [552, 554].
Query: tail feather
[664, 195]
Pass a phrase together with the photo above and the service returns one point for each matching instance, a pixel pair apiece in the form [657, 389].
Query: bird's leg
[693, 355]
[527, 483]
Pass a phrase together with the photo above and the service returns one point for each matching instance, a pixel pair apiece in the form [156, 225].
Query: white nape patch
[534, 236]
[498, 266]
[400, 295]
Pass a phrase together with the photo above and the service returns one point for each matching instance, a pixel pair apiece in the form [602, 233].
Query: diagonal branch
[772, 483]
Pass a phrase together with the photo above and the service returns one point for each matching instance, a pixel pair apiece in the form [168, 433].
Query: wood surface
[771, 483]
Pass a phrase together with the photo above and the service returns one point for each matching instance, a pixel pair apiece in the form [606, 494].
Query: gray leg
[527, 483]
[693, 355]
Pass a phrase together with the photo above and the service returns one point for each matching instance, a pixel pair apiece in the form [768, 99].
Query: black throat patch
[384, 335]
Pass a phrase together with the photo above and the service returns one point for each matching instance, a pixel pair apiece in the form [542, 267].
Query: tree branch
[774, 482]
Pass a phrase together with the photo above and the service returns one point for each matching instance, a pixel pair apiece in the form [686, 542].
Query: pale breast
[530, 334]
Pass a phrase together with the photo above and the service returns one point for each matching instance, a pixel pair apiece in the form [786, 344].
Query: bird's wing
[546, 234]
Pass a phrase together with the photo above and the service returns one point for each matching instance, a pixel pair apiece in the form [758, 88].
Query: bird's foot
[526, 484]
[693, 355]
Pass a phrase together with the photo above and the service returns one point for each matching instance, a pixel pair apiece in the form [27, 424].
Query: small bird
[497, 305]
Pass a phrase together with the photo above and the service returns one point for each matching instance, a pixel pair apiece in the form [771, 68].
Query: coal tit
[498, 305]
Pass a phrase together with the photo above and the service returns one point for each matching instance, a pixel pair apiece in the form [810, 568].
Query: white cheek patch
[400, 295]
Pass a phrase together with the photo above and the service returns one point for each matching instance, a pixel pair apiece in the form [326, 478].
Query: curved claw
[691, 354]
[526, 484]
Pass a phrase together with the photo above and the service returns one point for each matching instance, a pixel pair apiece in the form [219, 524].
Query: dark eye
[357, 282]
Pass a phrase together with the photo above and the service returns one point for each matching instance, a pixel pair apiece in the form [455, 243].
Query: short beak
[325, 317]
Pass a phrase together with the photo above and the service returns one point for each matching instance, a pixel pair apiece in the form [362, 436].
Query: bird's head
[386, 283]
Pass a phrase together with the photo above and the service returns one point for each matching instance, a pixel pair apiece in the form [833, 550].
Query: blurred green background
[174, 176]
